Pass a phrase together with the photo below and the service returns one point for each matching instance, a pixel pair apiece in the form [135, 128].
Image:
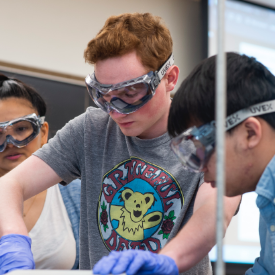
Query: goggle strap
[254, 110]
[162, 71]
[42, 119]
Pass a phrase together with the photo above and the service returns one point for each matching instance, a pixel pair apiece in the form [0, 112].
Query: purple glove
[15, 253]
[136, 262]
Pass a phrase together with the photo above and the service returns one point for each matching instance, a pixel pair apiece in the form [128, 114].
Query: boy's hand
[136, 262]
[15, 253]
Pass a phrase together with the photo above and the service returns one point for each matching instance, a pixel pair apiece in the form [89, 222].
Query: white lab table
[52, 272]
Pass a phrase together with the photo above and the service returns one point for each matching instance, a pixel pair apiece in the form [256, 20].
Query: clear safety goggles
[194, 146]
[20, 131]
[128, 96]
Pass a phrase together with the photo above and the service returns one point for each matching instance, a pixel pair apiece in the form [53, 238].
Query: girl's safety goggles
[128, 96]
[20, 131]
[195, 146]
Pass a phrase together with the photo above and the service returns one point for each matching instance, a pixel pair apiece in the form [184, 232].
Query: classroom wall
[52, 35]
[269, 3]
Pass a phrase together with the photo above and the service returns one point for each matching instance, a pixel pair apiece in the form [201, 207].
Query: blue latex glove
[136, 262]
[15, 253]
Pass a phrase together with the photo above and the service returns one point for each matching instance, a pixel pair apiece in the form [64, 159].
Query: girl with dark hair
[52, 216]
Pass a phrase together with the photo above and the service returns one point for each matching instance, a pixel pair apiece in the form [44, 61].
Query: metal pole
[220, 135]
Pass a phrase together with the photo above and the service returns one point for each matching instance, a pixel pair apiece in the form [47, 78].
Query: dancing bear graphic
[131, 218]
[138, 206]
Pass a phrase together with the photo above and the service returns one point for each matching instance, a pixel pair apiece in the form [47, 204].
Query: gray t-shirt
[135, 194]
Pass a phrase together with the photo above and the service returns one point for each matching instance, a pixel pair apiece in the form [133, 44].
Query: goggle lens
[190, 152]
[19, 131]
[129, 94]
[125, 100]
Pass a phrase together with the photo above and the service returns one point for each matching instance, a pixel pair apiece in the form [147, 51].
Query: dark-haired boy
[135, 195]
[250, 136]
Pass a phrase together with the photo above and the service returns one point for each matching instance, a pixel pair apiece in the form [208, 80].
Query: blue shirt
[265, 189]
[71, 198]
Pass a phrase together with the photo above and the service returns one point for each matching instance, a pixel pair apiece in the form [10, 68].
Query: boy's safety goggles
[128, 96]
[195, 146]
[20, 131]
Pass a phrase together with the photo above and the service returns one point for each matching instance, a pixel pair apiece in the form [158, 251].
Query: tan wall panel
[52, 35]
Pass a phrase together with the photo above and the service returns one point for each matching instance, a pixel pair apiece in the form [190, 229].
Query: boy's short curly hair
[121, 34]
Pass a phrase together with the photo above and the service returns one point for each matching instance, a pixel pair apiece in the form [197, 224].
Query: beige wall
[52, 34]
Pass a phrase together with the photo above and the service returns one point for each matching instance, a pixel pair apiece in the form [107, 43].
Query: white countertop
[52, 272]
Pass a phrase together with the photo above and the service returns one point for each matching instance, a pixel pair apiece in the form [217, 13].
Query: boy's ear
[253, 130]
[172, 76]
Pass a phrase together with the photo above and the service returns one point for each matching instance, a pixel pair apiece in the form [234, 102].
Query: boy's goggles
[20, 131]
[195, 146]
[128, 96]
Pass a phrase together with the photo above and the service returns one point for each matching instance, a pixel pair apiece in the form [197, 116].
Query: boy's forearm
[194, 240]
[198, 236]
[29, 178]
[11, 207]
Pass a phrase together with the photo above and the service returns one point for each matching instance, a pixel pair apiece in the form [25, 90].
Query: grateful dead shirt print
[138, 206]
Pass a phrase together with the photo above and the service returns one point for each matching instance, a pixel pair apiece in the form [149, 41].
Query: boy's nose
[204, 168]
[116, 114]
